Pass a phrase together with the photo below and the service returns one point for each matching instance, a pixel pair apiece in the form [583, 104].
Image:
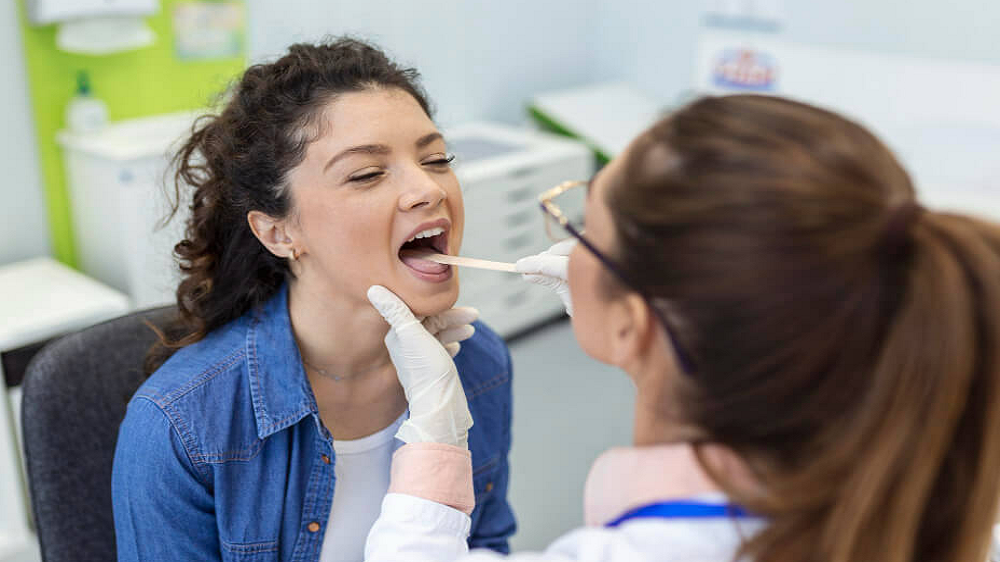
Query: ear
[272, 233]
[632, 330]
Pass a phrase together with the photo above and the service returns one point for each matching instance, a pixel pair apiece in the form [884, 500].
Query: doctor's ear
[273, 234]
[632, 330]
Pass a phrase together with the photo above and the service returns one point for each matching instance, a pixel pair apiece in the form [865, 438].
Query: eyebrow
[429, 138]
[379, 148]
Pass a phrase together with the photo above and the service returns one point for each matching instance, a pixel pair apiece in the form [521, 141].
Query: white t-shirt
[361, 467]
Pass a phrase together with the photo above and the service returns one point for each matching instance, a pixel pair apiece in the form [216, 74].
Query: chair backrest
[75, 394]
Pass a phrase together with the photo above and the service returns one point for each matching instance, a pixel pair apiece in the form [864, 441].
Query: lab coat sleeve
[412, 529]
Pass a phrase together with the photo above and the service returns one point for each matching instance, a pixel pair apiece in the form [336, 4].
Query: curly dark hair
[238, 161]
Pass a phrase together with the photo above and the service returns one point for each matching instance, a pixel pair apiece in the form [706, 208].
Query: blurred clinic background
[95, 93]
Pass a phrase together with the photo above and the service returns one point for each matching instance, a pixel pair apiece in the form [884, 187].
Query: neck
[658, 418]
[660, 422]
[652, 426]
[337, 336]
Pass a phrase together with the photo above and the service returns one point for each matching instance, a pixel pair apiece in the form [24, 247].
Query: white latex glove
[548, 269]
[439, 412]
[452, 326]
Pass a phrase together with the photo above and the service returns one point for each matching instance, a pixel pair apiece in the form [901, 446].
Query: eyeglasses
[563, 207]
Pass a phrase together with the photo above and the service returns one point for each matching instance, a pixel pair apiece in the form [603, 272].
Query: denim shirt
[222, 454]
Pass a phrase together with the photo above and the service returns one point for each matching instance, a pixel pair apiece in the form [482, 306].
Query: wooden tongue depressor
[463, 261]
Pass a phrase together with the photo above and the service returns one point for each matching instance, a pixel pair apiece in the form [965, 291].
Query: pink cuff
[436, 472]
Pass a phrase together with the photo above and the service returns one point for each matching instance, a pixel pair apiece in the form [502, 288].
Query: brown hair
[238, 161]
[845, 346]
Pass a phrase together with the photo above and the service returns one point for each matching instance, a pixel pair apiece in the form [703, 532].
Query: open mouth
[433, 239]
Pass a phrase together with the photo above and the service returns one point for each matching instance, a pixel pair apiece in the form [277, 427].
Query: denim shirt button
[489, 486]
[326, 459]
[313, 527]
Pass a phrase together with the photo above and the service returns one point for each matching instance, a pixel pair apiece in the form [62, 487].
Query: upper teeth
[427, 233]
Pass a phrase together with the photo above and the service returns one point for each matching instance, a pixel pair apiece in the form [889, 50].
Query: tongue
[412, 260]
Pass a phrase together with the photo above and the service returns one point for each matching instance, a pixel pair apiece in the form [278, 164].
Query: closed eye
[444, 161]
[366, 177]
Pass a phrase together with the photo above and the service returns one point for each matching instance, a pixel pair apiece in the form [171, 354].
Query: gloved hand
[439, 412]
[548, 269]
[452, 326]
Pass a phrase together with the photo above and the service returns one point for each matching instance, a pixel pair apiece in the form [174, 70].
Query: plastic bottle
[85, 113]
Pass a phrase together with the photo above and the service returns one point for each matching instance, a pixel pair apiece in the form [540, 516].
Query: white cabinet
[117, 180]
[502, 171]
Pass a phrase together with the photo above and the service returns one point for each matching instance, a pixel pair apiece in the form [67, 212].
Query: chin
[431, 304]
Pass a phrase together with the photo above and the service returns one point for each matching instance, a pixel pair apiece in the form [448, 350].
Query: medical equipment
[463, 261]
[502, 171]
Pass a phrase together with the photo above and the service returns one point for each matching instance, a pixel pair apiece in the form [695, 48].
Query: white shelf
[42, 298]
[132, 138]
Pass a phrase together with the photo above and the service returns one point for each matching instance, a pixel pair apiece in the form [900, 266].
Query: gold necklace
[324, 372]
[337, 378]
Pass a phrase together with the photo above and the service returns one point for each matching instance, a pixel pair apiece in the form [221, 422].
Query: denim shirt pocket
[250, 552]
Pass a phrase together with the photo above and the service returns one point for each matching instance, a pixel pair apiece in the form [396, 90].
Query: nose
[421, 192]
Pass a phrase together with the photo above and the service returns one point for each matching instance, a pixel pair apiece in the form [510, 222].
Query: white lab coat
[411, 529]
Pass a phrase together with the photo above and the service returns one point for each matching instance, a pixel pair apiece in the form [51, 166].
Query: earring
[294, 256]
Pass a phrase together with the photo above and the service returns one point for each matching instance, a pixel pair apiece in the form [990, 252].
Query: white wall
[483, 59]
[957, 29]
[652, 44]
[478, 59]
[24, 228]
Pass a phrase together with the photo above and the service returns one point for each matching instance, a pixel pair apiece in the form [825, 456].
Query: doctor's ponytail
[846, 342]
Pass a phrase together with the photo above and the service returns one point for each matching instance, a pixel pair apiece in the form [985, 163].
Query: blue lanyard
[681, 510]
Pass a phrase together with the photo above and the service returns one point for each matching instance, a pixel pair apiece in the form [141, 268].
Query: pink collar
[627, 477]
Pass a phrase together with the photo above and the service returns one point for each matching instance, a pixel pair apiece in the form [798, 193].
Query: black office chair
[75, 393]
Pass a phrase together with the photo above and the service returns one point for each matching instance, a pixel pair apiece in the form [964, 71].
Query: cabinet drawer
[514, 306]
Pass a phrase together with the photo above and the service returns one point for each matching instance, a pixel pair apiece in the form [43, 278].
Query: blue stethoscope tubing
[681, 510]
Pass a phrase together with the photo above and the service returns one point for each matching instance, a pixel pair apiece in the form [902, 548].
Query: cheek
[457, 214]
[588, 305]
[350, 231]
[350, 243]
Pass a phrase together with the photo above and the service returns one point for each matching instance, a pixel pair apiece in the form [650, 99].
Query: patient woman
[268, 433]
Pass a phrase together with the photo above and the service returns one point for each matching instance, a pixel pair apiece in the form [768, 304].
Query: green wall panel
[135, 83]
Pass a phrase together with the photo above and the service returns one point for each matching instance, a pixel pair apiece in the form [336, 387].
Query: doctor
[816, 356]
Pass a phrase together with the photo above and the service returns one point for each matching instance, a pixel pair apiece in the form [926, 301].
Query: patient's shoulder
[484, 361]
[221, 354]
